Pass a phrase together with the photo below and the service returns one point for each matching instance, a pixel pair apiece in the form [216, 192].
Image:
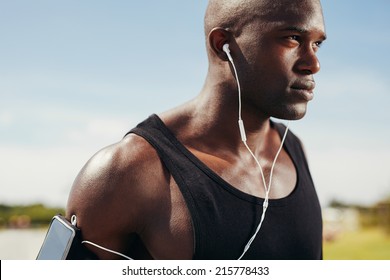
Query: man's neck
[212, 119]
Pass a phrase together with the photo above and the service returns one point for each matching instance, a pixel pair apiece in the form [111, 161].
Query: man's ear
[217, 38]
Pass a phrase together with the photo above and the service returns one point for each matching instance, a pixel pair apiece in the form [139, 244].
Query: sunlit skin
[124, 197]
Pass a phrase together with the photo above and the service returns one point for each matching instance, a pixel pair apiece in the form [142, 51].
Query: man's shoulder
[131, 153]
[127, 161]
[117, 193]
[122, 175]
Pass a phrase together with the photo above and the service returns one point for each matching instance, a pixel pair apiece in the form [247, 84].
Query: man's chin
[293, 113]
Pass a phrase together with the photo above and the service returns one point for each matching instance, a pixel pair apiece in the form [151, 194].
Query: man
[183, 185]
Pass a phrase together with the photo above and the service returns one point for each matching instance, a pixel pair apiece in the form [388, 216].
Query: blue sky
[76, 75]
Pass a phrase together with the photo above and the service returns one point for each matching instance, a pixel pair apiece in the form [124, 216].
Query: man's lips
[304, 85]
[304, 89]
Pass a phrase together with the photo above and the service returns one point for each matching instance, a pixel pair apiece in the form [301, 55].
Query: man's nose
[308, 62]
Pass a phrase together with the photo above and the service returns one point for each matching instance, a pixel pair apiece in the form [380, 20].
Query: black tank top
[225, 218]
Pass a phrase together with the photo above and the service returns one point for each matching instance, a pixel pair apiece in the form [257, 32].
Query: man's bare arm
[113, 195]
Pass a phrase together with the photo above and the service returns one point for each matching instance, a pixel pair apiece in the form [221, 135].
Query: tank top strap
[170, 152]
[294, 148]
[154, 131]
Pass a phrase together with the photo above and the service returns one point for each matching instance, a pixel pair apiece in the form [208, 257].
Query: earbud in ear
[226, 49]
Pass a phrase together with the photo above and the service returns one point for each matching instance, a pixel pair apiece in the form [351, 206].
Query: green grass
[369, 244]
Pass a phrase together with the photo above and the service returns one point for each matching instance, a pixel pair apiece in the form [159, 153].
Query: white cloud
[351, 83]
[38, 175]
[104, 130]
[350, 174]
[44, 171]
[6, 119]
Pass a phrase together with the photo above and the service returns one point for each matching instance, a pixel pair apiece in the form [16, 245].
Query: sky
[75, 76]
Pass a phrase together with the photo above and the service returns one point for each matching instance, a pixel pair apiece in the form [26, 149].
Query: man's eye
[318, 44]
[294, 37]
[293, 40]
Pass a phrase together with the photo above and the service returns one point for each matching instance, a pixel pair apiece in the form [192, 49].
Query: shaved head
[233, 15]
[230, 14]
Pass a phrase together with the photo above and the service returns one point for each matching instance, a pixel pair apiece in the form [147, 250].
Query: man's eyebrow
[295, 28]
[301, 30]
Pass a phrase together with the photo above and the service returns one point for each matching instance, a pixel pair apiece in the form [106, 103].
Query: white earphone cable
[243, 138]
[73, 220]
[265, 203]
[105, 249]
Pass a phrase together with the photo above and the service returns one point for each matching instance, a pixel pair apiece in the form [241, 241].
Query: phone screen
[57, 241]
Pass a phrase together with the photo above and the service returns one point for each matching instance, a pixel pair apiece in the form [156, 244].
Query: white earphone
[226, 49]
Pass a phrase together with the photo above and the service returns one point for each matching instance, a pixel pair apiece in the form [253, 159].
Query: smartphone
[60, 238]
